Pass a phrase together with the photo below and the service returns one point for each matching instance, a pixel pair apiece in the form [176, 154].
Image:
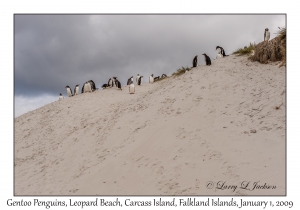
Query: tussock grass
[181, 71]
[247, 50]
[273, 50]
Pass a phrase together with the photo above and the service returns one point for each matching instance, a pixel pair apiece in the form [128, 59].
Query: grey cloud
[52, 51]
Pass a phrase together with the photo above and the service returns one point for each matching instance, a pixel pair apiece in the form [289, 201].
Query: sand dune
[223, 123]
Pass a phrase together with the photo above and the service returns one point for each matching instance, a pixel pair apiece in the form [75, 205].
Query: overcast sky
[52, 51]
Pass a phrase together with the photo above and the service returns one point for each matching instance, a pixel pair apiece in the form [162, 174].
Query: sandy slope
[214, 123]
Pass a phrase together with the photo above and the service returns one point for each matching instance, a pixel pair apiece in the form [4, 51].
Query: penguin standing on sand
[104, 86]
[69, 91]
[222, 51]
[109, 83]
[151, 79]
[195, 61]
[76, 90]
[130, 81]
[114, 81]
[60, 97]
[118, 84]
[87, 87]
[137, 78]
[156, 78]
[207, 60]
[140, 80]
[131, 89]
[93, 86]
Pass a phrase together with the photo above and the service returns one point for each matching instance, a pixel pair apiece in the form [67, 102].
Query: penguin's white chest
[219, 55]
[150, 79]
[131, 89]
[69, 92]
[87, 87]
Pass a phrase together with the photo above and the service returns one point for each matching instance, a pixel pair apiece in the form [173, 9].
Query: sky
[53, 51]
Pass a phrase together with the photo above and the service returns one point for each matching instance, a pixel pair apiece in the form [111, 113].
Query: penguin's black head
[217, 47]
[266, 29]
[67, 86]
[204, 54]
[60, 94]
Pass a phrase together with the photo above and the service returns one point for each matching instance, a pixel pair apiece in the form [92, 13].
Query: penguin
[118, 84]
[219, 55]
[207, 60]
[109, 83]
[137, 78]
[69, 91]
[266, 35]
[156, 78]
[93, 86]
[82, 89]
[163, 75]
[151, 79]
[114, 81]
[104, 86]
[222, 51]
[60, 97]
[140, 80]
[195, 61]
[130, 81]
[131, 89]
[87, 87]
[76, 90]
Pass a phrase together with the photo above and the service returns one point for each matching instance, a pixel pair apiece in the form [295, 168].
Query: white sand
[169, 138]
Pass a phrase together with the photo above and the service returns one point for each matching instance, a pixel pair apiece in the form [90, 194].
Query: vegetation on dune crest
[247, 50]
[181, 71]
[273, 50]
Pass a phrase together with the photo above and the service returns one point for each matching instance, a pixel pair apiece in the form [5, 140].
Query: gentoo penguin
[151, 79]
[207, 60]
[266, 35]
[76, 90]
[140, 80]
[195, 61]
[222, 51]
[109, 83]
[93, 86]
[104, 86]
[118, 84]
[69, 91]
[219, 55]
[131, 89]
[156, 78]
[87, 87]
[114, 81]
[137, 78]
[60, 97]
[130, 81]
[163, 75]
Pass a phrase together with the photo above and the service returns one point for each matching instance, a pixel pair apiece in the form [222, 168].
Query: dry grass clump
[181, 71]
[273, 50]
[247, 50]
